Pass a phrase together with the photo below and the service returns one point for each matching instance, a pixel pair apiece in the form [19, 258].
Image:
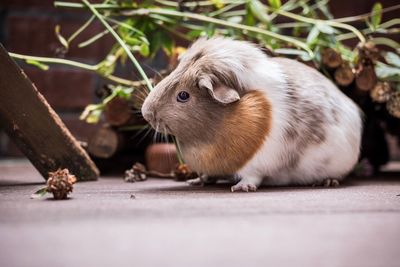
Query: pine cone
[136, 173]
[381, 92]
[393, 105]
[60, 183]
[183, 173]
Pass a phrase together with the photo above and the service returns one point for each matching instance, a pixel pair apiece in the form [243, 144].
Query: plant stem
[197, 3]
[327, 22]
[382, 29]
[366, 15]
[178, 150]
[220, 22]
[76, 64]
[223, 10]
[174, 32]
[81, 29]
[84, 26]
[388, 42]
[234, 13]
[56, 61]
[121, 42]
[291, 25]
[97, 6]
[94, 38]
[125, 25]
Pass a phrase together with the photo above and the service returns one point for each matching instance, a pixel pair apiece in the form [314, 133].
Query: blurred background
[28, 27]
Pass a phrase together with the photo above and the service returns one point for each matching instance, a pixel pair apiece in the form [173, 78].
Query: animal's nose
[148, 115]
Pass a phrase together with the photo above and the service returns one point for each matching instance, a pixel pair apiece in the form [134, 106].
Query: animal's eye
[183, 96]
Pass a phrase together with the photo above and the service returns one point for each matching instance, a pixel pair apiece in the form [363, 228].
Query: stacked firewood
[361, 80]
[378, 99]
[122, 127]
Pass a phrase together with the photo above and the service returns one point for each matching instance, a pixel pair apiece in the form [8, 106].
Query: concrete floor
[171, 224]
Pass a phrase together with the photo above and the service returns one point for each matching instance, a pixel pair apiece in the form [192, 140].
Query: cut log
[35, 128]
[366, 77]
[118, 112]
[331, 58]
[105, 143]
[344, 75]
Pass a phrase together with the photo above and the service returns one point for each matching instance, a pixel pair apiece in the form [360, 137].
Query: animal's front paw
[244, 187]
[195, 182]
[328, 183]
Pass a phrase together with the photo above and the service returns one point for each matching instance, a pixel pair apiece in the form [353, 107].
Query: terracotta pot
[161, 157]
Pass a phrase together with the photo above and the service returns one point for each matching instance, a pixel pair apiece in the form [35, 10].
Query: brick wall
[27, 27]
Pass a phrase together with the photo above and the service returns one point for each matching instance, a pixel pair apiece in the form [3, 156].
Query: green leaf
[322, 27]
[167, 43]
[313, 35]
[131, 40]
[259, 11]
[155, 42]
[195, 33]
[94, 116]
[123, 92]
[249, 20]
[275, 3]
[39, 193]
[162, 19]
[376, 15]
[392, 59]
[144, 50]
[37, 64]
[235, 19]
[210, 30]
[290, 51]
[218, 3]
[60, 38]
[92, 113]
[323, 7]
[107, 66]
[387, 73]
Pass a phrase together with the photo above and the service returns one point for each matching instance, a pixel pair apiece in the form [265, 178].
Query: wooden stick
[34, 126]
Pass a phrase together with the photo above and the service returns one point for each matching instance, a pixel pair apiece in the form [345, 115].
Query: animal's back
[322, 132]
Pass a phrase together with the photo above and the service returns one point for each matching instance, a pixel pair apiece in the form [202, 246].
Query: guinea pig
[267, 120]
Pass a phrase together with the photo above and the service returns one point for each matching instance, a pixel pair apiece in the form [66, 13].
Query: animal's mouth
[160, 127]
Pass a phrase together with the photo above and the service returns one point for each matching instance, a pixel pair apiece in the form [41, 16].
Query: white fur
[334, 158]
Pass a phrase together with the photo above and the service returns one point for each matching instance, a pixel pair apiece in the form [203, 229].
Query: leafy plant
[147, 27]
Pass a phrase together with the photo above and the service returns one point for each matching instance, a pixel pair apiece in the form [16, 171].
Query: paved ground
[171, 224]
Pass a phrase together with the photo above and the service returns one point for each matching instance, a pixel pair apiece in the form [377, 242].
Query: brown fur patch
[241, 133]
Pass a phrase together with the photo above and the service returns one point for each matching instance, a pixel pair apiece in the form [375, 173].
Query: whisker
[135, 112]
[170, 156]
[140, 95]
[156, 134]
[148, 130]
[152, 69]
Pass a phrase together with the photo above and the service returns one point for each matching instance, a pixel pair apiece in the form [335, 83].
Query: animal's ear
[221, 93]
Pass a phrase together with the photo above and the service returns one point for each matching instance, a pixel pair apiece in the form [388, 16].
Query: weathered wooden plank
[34, 126]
